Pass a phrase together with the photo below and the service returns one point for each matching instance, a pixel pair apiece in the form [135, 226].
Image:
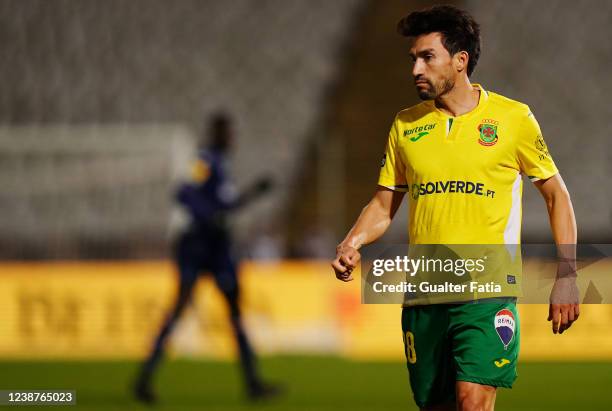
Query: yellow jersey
[463, 174]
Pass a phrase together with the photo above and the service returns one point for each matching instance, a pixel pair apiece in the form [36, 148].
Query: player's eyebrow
[420, 53]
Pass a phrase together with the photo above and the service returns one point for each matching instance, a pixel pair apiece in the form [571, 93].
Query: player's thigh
[187, 278]
[225, 273]
[486, 342]
[472, 396]
[428, 355]
[191, 254]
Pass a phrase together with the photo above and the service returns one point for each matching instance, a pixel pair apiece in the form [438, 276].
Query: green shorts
[475, 342]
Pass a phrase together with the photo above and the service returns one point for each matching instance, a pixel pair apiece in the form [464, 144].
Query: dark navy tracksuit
[205, 247]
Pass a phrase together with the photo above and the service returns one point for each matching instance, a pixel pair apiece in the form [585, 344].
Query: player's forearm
[370, 225]
[563, 224]
[562, 219]
[237, 202]
[254, 191]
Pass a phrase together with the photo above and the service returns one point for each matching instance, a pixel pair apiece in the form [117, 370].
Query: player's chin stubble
[436, 91]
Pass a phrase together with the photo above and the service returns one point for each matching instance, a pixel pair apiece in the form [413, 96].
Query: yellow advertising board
[113, 310]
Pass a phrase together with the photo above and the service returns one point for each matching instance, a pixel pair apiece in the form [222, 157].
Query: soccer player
[206, 247]
[460, 133]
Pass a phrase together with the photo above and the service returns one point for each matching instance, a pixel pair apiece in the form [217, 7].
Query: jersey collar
[482, 102]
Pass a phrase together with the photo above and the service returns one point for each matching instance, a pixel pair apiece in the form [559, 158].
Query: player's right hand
[346, 260]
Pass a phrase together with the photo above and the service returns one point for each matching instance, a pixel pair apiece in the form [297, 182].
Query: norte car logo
[488, 132]
[418, 132]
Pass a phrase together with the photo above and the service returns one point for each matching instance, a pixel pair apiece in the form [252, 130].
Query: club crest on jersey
[488, 132]
[504, 326]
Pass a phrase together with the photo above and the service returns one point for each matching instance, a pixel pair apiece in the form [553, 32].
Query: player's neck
[462, 99]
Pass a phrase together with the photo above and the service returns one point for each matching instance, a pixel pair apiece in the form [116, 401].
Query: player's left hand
[564, 306]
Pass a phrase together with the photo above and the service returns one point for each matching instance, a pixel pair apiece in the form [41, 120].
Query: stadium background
[102, 105]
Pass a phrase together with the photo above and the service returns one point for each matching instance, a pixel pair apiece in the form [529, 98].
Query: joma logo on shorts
[501, 363]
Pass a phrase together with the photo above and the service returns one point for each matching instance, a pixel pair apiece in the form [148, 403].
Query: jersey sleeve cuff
[397, 187]
[539, 175]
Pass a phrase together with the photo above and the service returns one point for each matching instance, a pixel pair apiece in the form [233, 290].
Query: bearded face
[433, 70]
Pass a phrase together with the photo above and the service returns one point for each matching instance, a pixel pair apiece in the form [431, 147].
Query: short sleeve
[533, 157]
[393, 172]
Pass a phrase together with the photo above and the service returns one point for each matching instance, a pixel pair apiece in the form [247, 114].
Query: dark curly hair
[459, 30]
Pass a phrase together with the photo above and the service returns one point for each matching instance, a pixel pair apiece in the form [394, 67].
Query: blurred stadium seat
[151, 64]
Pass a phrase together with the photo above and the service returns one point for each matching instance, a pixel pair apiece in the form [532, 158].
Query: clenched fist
[346, 260]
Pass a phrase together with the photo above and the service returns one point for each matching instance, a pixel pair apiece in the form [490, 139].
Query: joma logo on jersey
[416, 133]
[488, 132]
[453, 186]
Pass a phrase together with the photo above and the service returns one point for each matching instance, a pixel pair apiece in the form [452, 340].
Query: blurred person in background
[458, 354]
[206, 247]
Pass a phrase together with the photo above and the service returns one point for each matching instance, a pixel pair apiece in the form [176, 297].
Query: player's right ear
[461, 60]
